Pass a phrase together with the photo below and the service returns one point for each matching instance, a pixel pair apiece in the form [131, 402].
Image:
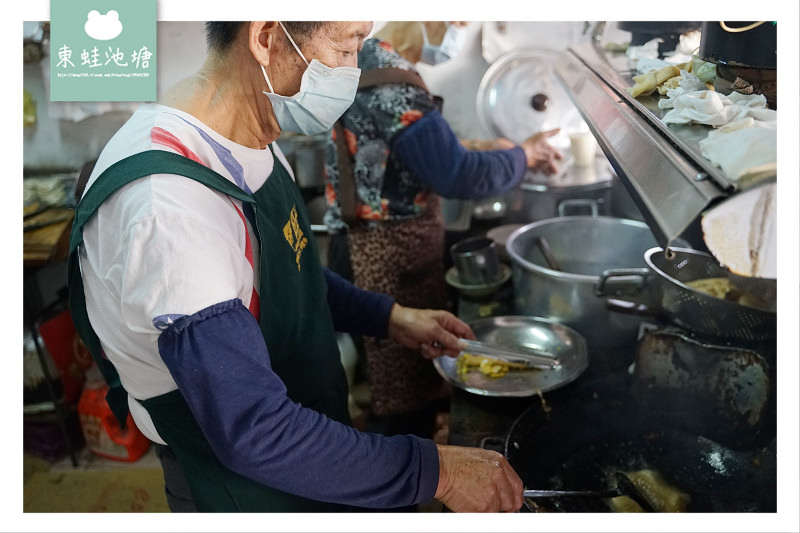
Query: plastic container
[102, 432]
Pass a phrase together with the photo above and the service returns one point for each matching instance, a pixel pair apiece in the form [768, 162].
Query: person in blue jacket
[399, 157]
[196, 283]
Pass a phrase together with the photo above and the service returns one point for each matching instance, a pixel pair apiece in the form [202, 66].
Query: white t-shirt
[166, 245]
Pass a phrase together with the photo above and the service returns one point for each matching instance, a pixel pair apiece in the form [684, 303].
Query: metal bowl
[481, 290]
[530, 332]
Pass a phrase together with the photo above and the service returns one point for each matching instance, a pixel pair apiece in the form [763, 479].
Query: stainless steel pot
[576, 191]
[584, 248]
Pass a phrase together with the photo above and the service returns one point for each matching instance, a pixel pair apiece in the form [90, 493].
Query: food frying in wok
[664, 497]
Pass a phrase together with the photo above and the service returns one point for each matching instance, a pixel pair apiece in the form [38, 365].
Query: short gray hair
[220, 35]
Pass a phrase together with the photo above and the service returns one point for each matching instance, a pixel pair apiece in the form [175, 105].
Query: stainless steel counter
[660, 165]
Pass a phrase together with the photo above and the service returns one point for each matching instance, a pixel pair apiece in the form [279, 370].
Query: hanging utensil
[547, 252]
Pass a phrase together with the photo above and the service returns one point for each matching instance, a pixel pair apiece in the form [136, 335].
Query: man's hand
[433, 332]
[474, 480]
[540, 154]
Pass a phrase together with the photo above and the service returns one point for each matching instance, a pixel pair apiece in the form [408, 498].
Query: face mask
[452, 43]
[325, 94]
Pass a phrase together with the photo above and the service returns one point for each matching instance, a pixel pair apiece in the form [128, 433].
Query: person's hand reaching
[475, 480]
[540, 154]
[434, 332]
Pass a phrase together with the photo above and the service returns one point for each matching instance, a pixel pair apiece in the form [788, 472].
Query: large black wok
[583, 441]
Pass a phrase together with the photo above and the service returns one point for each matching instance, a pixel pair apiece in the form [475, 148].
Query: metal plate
[531, 332]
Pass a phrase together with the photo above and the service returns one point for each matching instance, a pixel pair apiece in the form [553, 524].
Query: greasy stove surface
[570, 438]
[606, 394]
[477, 420]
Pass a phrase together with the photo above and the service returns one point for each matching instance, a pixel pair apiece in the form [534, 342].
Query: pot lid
[520, 95]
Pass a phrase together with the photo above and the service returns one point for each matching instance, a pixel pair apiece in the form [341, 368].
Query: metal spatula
[624, 487]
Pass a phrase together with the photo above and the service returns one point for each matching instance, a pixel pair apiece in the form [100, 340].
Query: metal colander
[702, 313]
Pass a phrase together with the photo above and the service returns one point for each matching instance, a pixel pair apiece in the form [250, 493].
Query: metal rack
[660, 165]
[46, 248]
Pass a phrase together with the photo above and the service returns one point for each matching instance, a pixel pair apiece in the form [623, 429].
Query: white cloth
[646, 51]
[713, 108]
[745, 142]
[165, 245]
[743, 147]
[649, 64]
[645, 58]
[688, 44]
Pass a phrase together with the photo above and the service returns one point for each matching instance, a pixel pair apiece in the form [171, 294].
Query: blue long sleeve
[431, 150]
[222, 367]
[356, 310]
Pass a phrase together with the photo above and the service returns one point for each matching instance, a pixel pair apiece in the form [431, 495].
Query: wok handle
[617, 280]
[492, 442]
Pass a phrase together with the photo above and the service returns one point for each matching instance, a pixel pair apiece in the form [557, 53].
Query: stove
[718, 396]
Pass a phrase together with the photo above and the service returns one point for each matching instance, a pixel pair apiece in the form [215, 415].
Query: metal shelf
[660, 166]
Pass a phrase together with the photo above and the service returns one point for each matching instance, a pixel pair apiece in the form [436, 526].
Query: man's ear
[262, 39]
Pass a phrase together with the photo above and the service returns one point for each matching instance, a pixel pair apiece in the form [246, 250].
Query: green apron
[299, 334]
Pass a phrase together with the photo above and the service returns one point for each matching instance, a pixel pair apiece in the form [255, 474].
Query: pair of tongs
[511, 354]
[624, 487]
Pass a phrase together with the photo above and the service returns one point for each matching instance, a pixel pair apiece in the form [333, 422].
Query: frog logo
[103, 27]
[294, 236]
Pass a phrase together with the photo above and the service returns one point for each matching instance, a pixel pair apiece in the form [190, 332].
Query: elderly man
[196, 283]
